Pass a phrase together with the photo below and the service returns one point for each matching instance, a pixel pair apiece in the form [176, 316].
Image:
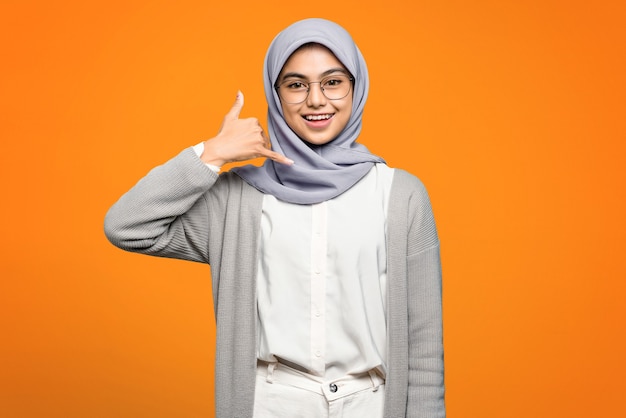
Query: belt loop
[375, 380]
[270, 372]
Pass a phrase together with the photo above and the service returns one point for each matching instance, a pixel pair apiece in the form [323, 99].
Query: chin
[317, 141]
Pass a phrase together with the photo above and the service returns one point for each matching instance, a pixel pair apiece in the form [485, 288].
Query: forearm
[426, 370]
[160, 215]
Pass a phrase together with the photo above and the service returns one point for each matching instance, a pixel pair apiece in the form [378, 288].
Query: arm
[426, 371]
[166, 213]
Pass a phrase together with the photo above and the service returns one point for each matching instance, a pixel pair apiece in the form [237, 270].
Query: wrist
[210, 157]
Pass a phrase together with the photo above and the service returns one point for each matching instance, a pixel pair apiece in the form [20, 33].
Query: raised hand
[239, 140]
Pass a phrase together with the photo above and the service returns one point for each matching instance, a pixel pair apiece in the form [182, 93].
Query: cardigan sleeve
[426, 372]
[166, 213]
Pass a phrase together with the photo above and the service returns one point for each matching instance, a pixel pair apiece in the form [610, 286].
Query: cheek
[349, 106]
[347, 111]
[346, 106]
[289, 115]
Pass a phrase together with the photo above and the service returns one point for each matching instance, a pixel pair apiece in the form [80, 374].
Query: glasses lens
[293, 91]
[334, 87]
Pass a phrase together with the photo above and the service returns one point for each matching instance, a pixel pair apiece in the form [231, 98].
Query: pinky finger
[279, 158]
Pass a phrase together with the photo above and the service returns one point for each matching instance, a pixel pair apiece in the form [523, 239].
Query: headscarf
[320, 172]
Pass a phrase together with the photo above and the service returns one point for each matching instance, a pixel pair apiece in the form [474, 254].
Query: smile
[318, 117]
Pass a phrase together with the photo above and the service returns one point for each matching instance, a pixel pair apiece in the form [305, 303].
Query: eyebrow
[324, 74]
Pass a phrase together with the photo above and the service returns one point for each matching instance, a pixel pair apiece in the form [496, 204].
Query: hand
[239, 140]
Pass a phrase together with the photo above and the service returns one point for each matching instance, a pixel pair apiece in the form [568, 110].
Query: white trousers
[282, 391]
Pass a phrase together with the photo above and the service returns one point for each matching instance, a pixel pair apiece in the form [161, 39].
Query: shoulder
[228, 181]
[231, 179]
[411, 209]
[409, 197]
[405, 185]
[230, 187]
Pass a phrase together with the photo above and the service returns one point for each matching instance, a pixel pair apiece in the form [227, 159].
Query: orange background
[511, 112]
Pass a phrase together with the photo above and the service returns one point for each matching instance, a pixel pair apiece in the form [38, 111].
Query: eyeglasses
[334, 87]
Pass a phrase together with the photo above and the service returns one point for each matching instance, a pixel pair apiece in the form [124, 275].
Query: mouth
[315, 118]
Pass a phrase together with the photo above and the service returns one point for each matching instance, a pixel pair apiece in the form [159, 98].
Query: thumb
[234, 111]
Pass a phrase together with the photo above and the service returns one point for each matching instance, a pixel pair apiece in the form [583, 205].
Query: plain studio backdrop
[511, 112]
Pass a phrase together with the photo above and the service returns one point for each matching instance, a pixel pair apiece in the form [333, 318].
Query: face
[317, 120]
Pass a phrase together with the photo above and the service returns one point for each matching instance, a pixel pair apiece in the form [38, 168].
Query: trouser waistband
[331, 389]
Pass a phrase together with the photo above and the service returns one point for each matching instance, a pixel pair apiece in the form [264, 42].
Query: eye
[295, 85]
[333, 82]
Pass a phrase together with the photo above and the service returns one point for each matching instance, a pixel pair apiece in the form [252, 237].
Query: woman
[325, 261]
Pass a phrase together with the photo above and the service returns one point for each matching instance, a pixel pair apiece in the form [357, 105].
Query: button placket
[318, 286]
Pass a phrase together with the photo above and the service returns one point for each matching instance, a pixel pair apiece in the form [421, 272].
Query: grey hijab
[320, 172]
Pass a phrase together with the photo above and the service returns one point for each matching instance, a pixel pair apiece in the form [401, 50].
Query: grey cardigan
[184, 210]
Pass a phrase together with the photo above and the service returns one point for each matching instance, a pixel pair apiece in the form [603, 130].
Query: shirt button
[318, 353]
[333, 387]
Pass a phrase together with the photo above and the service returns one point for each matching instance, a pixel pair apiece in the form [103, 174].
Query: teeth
[317, 117]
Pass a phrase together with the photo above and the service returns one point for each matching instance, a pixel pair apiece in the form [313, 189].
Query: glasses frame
[308, 90]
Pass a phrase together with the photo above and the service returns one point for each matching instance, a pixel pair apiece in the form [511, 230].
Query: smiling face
[317, 120]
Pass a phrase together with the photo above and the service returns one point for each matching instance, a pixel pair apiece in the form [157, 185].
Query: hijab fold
[320, 172]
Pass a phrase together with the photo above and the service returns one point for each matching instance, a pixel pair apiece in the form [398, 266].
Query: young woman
[324, 261]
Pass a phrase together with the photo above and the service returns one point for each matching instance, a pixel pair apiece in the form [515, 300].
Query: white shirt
[321, 280]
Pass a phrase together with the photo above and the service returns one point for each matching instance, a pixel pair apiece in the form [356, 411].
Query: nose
[316, 96]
